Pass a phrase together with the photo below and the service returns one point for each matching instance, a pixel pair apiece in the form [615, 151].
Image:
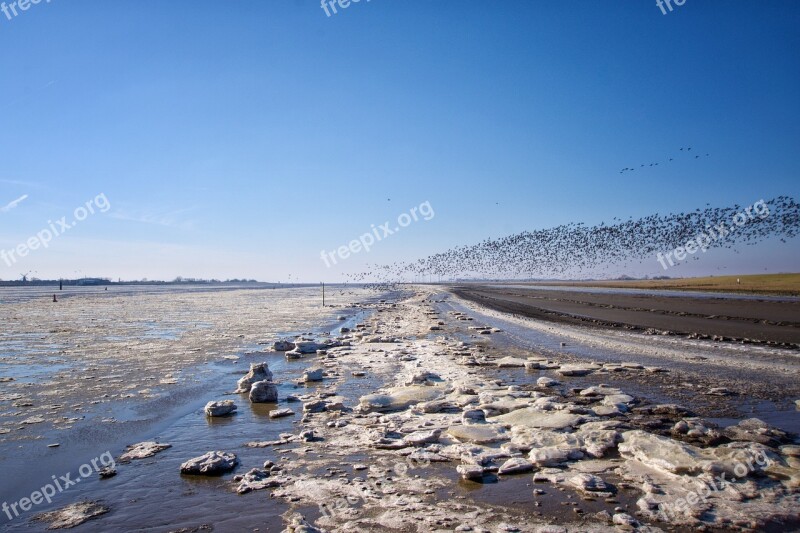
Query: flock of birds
[575, 249]
[686, 150]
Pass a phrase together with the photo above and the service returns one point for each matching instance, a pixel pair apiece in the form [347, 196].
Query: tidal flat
[407, 410]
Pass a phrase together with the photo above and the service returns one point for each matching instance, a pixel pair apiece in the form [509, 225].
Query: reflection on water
[151, 493]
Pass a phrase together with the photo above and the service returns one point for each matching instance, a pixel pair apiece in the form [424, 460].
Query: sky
[241, 139]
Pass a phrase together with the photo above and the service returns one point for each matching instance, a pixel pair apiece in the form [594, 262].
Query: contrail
[12, 205]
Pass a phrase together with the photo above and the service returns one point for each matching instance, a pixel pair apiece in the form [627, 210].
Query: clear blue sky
[239, 139]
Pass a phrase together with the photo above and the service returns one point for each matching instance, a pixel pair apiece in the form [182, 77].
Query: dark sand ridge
[695, 366]
[766, 284]
[773, 322]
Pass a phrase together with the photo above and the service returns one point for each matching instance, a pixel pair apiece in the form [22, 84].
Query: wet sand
[764, 378]
[357, 461]
[763, 321]
[100, 370]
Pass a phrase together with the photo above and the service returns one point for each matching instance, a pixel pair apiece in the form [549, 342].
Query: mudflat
[769, 284]
[411, 410]
[752, 320]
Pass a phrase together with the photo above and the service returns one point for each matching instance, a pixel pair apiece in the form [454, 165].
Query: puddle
[782, 415]
[515, 494]
[23, 372]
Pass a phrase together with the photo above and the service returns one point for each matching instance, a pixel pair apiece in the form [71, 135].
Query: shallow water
[151, 494]
[45, 293]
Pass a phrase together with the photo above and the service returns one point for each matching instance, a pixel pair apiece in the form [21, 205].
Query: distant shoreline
[106, 283]
[756, 284]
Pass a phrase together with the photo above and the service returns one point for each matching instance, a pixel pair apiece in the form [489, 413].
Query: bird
[655, 164]
[577, 249]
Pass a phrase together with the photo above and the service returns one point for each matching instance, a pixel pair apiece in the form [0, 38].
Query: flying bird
[576, 249]
[655, 163]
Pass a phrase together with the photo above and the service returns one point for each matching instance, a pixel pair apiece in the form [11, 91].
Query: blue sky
[239, 139]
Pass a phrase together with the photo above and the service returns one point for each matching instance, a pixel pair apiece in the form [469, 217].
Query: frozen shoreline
[413, 400]
[97, 370]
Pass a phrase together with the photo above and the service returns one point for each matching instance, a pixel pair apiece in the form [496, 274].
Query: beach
[549, 284]
[768, 320]
[423, 408]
